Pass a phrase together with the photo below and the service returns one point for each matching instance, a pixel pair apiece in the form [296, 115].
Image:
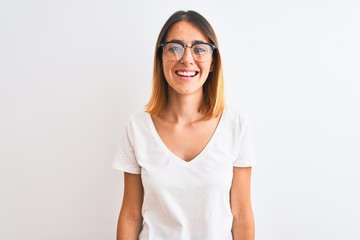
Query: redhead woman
[187, 158]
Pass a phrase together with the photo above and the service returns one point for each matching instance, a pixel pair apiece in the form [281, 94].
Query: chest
[191, 159]
[186, 141]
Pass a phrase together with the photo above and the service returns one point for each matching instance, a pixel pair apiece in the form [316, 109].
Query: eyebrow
[182, 43]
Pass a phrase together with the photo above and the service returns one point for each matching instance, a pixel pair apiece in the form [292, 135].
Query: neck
[183, 109]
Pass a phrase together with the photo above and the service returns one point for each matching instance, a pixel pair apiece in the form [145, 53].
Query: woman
[186, 159]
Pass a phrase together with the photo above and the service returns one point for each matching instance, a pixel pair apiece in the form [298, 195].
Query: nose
[187, 56]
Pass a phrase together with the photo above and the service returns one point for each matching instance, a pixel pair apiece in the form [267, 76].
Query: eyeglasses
[201, 51]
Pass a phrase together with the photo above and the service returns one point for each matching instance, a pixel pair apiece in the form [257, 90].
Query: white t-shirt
[186, 200]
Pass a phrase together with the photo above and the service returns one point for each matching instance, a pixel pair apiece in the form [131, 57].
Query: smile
[186, 73]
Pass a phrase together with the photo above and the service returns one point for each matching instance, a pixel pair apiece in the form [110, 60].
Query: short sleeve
[125, 159]
[246, 153]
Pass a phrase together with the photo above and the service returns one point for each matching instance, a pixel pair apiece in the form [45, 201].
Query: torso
[185, 141]
[185, 199]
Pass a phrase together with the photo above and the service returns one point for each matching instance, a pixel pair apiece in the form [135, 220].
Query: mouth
[187, 73]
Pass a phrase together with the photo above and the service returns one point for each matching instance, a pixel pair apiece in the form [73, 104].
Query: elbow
[131, 216]
[245, 219]
[243, 226]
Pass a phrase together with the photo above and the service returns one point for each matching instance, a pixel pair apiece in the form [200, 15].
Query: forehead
[186, 32]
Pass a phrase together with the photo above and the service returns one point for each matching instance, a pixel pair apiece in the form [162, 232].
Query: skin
[185, 132]
[243, 227]
[130, 218]
[181, 126]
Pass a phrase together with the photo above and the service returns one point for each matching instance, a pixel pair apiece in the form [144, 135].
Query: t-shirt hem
[250, 163]
[123, 168]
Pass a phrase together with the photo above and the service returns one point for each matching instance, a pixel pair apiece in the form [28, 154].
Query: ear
[211, 66]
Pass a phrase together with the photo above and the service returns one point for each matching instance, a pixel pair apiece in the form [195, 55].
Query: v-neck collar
[173, 155]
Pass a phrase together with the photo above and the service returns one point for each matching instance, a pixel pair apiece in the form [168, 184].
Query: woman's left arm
[243, 227]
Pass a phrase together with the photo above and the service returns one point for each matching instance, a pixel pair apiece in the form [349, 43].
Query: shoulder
[235, 115]
[136, 121]
[137, 117]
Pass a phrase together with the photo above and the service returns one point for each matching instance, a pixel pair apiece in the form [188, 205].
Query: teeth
[187, 74]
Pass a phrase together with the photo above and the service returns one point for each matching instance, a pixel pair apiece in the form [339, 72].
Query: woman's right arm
[130, 218]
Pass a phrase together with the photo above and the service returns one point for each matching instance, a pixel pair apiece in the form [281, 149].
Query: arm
[130, 218]
[243, 227]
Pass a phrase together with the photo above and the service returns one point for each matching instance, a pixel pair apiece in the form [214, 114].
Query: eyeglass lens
[200, 52]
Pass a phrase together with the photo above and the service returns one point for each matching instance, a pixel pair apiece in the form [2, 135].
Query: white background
[72, 71]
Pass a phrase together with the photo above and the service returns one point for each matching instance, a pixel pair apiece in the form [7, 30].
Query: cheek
[166, 65]
[206, 68]
[166, 69]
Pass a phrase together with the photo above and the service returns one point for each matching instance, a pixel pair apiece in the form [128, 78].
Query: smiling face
[186, 76]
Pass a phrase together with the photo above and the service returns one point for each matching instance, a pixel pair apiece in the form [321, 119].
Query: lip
[186, 73]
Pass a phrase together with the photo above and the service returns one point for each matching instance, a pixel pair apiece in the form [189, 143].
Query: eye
[201, 49]
[174, 48]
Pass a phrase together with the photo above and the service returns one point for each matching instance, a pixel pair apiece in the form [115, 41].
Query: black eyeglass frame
[213, 46]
